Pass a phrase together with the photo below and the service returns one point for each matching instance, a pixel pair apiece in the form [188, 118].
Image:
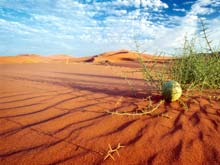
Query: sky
[90, 27]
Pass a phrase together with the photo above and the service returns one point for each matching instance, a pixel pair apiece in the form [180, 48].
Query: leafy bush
[194, 69]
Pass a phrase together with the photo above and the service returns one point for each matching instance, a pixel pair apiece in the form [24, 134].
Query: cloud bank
[87, 27]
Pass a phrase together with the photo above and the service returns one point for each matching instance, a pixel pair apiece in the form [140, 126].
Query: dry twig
[143, 112]
[111, 151]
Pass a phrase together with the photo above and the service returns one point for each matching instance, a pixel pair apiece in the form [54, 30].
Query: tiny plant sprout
[171, 91]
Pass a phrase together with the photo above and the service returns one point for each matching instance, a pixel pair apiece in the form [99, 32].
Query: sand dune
[25, 58]
[125, 56]
[121, 55]
[115, 57]
[33, 58]
[56, 114]
[60, 56]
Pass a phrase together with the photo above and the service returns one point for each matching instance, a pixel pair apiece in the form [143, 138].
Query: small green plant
[155, 71]
[195, 69]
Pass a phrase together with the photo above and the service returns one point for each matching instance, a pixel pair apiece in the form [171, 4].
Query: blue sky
[89, 27]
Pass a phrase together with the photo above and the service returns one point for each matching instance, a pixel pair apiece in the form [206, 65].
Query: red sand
[56, 114]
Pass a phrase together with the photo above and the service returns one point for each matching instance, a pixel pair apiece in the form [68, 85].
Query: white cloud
[213, 31]
[202, 7]
[20, 28]
[101, 26]
[168, 38]
[179, 10]
[147, 4]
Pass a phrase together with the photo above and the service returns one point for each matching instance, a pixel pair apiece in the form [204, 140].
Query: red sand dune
[56, 114]
[26, 58]
[121, 57]
[60, 56]
[33, 58]
[127, 58]
[125, 55]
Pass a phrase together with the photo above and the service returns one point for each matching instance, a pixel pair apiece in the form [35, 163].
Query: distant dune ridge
[60, 56]
[107, 57]
[24, 58]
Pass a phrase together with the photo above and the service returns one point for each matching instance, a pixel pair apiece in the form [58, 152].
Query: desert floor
[57, 114]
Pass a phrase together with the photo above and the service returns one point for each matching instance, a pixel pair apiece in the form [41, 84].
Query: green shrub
[194, 69]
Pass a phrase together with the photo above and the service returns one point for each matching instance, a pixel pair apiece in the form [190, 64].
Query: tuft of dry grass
[148, 110]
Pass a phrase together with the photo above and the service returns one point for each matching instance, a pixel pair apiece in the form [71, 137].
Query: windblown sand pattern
[56, 114]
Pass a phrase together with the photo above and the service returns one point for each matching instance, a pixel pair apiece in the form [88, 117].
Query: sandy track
[56, 114]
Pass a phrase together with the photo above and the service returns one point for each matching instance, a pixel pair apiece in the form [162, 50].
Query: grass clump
[195, 69]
